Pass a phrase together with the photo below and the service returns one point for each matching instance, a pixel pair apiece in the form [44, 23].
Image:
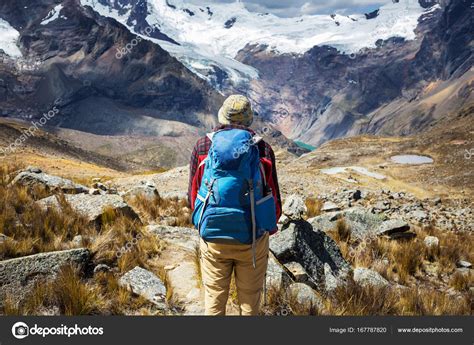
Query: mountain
[154, 72]
[70, 59]
[320, 77]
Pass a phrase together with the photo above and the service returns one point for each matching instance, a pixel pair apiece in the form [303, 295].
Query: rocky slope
[398, 88]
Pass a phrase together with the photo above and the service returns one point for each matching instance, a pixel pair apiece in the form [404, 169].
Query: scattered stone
[96, 179]
[77, 241]
[92, 206]
[18, 275]
[305, 297]
[94, 191]
[431, 241]
[298, 242]
[101, 268]
[297, 271]
[100, 186]
[329, 206]
[145, 189]
[464, 264]
[3, 238]
[367, 277]
[283, 219]
[146, 284]
[419, 215]
[392, 226]
[294, 207]
[36, 177]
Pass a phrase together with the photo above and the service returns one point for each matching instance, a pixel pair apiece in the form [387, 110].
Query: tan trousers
[218, 261]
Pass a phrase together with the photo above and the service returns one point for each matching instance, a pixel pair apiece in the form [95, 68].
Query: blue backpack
[233, 203]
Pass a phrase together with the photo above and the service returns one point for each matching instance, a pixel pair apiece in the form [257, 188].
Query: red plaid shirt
[201, 150]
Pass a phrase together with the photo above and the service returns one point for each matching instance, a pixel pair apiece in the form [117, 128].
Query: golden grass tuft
[172, 210]
[313, 206]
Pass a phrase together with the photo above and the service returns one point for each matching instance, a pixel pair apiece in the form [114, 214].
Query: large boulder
[19, 274]
[299, 242]
[92, 206]
[392, 226]
[36, 177]
[294, 207]
[363, 224]
[146, 284]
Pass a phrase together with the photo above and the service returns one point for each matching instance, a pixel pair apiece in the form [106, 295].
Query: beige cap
[236, 110]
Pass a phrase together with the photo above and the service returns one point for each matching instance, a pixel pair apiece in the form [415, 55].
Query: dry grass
[172, 210]
[353, 299]
[313, 206]
[461, 282]
[29, 228]
[69, 294]
[124, 244]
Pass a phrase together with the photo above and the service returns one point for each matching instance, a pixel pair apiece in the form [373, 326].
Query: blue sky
[291, 8]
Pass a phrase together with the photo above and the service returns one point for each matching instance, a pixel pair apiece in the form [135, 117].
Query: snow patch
[8, 39]
[52, 15]
[357, 169]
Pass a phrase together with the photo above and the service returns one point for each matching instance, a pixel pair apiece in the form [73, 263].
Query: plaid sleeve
[271, 156]
[193, 165]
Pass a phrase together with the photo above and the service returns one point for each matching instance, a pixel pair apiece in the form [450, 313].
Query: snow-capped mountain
[107, 64]
[8, 39]
[207, 37]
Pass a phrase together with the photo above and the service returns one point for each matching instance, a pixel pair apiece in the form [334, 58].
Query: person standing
[234, 194]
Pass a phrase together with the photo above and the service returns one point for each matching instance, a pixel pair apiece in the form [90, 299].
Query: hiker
[235, 198]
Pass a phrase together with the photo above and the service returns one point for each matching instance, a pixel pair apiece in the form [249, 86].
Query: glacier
[211, 34]
[8, 39]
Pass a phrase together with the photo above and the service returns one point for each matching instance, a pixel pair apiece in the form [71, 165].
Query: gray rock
[305, 297]
[34, 177]
[361, 222]
[94, 191]
[3, 238]
[92, 206]
[294, 207]
[277, 278]
[77, 241]
[145, 189]
[464, 264]
[297, 271]
[146, 284]
[419, 215]
[331, 280]
[329, 206]
[431, 241]
[310, 248]
[183, 237]
[392, 226]
[367, 277]
[34, 170]
[18, 275]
